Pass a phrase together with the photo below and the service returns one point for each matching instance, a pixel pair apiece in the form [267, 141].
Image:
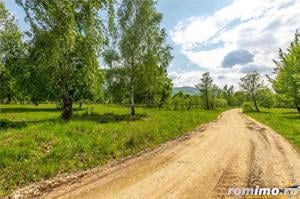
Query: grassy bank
[35, 144]
[284, 121]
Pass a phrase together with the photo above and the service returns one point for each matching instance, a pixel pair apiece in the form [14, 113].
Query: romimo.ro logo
[259, 191]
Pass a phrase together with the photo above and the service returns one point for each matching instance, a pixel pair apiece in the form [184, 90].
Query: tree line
[253, 93]
[59, 58]
[286, 84]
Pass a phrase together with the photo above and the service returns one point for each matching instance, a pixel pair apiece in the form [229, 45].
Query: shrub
[220, 103]
[247, 107]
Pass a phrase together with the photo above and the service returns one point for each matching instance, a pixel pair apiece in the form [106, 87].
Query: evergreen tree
[205, 86]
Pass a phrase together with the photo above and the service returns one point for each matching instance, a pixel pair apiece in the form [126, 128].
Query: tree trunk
[298, 108]
[212, 106]
[80, 105]
[8, 98]
[67, 112]
[255, 104]
[132, 106]
[147, 99]
[206, 96]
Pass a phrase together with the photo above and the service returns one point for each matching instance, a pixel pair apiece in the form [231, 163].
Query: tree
[251, 83]
[72, 32]
[287, 72]
[116, 85]
[228, 94]
[154, 81]
[266, 97]
[144, 55]
[11, 52]
[216, 95]
[204, 87]
[240, 97]
[283, 101]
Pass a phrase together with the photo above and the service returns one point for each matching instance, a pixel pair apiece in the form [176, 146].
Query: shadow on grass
[37, 109]
[260, 112]
[108, 117]
[293, 117]
[98, 118]
[292, 113]
[6, 124]
[264, 112]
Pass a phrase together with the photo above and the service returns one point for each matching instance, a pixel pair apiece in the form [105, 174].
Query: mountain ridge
[186, 90]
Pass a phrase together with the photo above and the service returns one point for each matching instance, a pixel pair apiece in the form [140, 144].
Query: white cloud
[186, 79]
[258, 26]
[193, 77]
[243, 10]
[192, 33]
[210, 59]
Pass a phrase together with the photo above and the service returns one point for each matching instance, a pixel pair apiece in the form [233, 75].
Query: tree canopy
[11, 53]
[66, 39]
[251, 84]
[138, 67]
[287, 81]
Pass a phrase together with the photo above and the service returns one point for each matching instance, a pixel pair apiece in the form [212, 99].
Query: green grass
[35, 144]
[284, 121]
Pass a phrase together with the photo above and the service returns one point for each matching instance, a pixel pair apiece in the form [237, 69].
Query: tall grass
[35, 144]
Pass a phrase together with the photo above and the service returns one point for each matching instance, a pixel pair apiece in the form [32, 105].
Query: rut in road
[234, 151]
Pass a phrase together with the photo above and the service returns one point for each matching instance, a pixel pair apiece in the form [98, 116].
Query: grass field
[284, 121]
[35, 144]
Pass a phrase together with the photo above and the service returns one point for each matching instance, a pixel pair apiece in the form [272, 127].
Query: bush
[283, 101]
[220, 103]
[247, 107]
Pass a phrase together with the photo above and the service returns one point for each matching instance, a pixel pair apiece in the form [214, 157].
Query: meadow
[284, 121]
[35, 144]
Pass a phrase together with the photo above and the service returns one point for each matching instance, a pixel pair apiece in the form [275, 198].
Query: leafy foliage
[138, 58]
[11, 53]
[287, 81]
[72, 32]
[247, 107]
[228, 95]
[266, 97]
[205, 86]
[251, 84]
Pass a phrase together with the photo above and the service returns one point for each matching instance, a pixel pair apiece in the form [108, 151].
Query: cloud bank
[239, 38]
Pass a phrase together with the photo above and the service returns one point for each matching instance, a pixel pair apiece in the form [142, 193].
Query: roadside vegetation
[284, 121]
[36, 144]
[89, 83]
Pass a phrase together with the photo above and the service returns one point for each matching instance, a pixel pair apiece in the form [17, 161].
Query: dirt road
[231, 152]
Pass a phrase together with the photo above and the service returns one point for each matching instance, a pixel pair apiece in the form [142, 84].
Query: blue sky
[227, 38]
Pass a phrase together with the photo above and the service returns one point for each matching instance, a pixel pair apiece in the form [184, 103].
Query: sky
[227, 38]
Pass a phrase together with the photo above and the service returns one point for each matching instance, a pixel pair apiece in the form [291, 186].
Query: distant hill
[185, 90]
